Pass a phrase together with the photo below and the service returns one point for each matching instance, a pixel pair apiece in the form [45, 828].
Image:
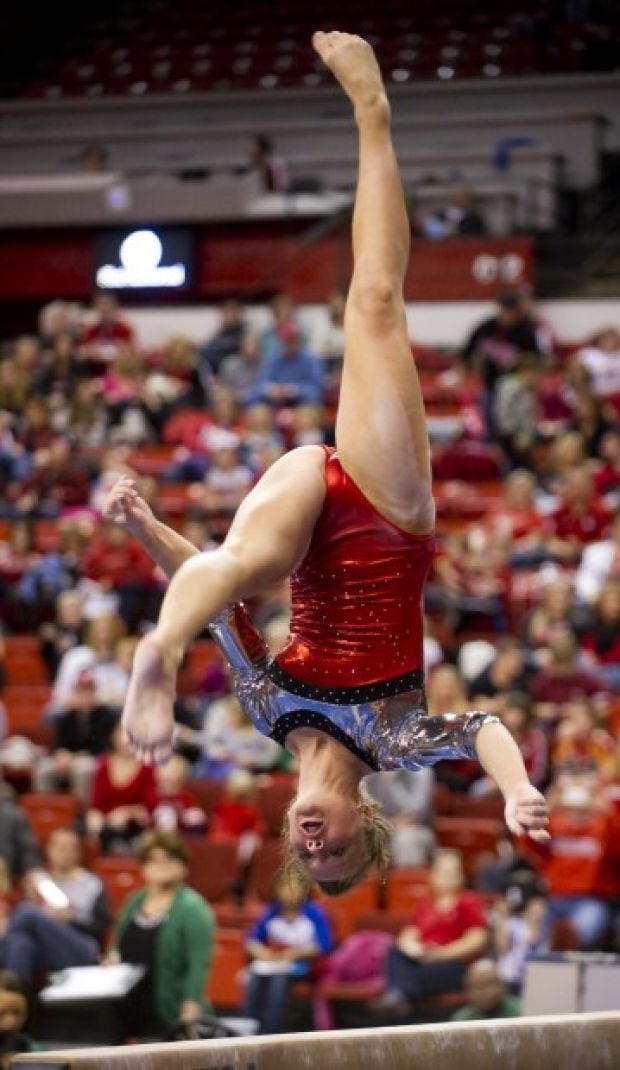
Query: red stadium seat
[24, 664]
[47, 812]
[472, 836]
[273, 800]
[224, 987]
[406, 888]
[121, 877]
[343, 909]
[24, 704]
[213, 867]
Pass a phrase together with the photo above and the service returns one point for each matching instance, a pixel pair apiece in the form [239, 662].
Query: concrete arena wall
[430, 322]
[562, 1042]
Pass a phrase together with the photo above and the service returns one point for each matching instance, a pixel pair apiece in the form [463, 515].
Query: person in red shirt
[354, 527]
[117, 563]
[562, 679]
[102, 338]
[581, 518]
[445, 934]
[580, 863]
[124, 795]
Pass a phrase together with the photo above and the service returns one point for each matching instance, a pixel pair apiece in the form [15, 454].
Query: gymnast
[353, 528]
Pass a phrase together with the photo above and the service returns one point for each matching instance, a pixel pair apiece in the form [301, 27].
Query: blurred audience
[168, 929]
[289, 935]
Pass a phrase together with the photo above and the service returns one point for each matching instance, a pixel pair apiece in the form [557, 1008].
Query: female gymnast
[354, 530]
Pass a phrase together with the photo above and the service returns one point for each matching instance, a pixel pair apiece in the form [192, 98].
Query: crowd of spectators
[523, 619]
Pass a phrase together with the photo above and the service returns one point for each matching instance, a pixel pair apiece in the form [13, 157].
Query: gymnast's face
[328, 835]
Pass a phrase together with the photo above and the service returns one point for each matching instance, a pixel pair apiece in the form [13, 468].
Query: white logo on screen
[140, 256]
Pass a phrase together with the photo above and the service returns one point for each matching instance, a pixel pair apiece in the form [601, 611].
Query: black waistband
[309, 719]
[347, 696]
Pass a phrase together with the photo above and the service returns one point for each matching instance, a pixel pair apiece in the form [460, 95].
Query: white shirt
[604, 370]
[596, 565]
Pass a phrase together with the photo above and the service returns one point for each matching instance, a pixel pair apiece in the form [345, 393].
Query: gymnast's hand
[527, 813]
[125, 506]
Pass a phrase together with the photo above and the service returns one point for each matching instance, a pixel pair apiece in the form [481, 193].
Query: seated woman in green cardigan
[170, 929]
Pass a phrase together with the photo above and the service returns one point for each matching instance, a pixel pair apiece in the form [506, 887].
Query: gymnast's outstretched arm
[268, 537]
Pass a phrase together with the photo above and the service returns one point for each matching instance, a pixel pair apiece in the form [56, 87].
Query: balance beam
[559, 1042]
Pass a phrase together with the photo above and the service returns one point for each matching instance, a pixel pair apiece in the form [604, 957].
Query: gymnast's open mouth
[311, 826]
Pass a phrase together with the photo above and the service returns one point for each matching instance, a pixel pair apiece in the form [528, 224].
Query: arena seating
[257, 45]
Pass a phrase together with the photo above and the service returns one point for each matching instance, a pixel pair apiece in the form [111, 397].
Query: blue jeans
[588, 916]
[36, 943]
[420, 980]
[266, 999]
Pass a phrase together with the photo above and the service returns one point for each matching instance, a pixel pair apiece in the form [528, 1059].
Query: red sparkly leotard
[356, 596]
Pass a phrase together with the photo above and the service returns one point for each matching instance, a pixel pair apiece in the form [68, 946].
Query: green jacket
[183, 953]
[510, 1007]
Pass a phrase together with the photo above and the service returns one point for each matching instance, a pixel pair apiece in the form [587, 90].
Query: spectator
[567, 452]
[169, 929]
[507, 672]
[13, 1019]
[573, 863]
[118, 563]
[601, 360]
[237, 817]
[87, 419]
[581, 746]
[517, 934]
[405, 799]
[227, 341]
[56, 571]
[95, 158]
[228, 480]
[124, 796]
[561, 679]
[600, 561]
[260, 433]
[601, 641]
[473, 580]
[66, 632]
[580, 518]
[283, 315]
[291, 376]
[330, 345]
[516, 521]
[83, 733]
[108, 332]
[230, 741]
[486, 994]
[553, 617]
[177, 808]
[96, 655]
[57, 481]
[239, 370]
[64, 923]
[496, 345]
[516, 413]
[458, 218]
[444, 934]
[270, 168]
[18, 846]
[290, 934]
[607, 475]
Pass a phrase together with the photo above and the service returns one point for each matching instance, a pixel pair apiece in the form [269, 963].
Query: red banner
[256, 260]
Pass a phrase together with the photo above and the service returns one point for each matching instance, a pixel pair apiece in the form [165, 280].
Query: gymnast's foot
[148, 718]
[352, 61]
